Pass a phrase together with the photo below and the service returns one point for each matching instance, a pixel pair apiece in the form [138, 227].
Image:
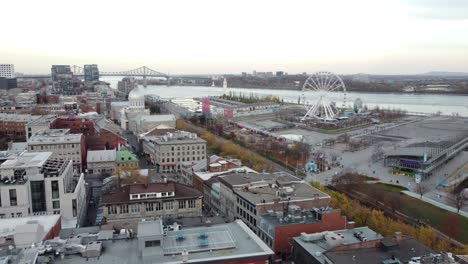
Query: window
[13, 198]
[159, 206]
[74, 209]
[191, 204]
[134, 196]
[56, 204]
[112, 209]
[149, 207]
[55, 189]
[169, 205]
[124, 208]
[135, 208]
[163, 194]
[181, 204]
[152, 243]
[143, 195]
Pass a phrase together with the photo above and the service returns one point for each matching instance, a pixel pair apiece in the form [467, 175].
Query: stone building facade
[126, 206]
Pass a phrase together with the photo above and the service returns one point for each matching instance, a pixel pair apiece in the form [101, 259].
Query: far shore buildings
[127, 205]
[36, 183]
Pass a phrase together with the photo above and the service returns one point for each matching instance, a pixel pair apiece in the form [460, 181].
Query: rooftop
[17, 117]
[317, 243]
[101, 155]
[27, 160]
[295, 215]
[42, 120]
[157, 118]
[8, 225]
[224, 242]
[178, 137]
[122, 195]
[265, 187]
[54, 136]
[124, 155]
[150, 228]
[404, 250]
[208, 175]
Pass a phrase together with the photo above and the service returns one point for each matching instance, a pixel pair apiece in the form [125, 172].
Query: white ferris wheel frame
[322, 83]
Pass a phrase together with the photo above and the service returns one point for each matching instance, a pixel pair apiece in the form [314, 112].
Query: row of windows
[12, 215]
[151, 195]
[179, 159]
[149, 207]
[188, 147]
[162, 154]
[64, 146]
[247, 205]
[248, 217]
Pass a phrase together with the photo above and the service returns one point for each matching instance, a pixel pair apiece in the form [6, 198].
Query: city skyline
[183, 37]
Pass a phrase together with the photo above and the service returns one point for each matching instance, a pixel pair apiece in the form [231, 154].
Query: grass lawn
[435, 216]
[390, 187]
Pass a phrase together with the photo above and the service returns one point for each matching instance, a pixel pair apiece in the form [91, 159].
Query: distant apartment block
[126, 85]
[7, 71]
[91, 73]
[36, 183]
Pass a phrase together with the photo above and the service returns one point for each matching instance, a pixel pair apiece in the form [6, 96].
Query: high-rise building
[62, 78]
[7, 70]
[91, 73]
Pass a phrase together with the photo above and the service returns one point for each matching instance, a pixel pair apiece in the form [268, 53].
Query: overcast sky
[216, 36]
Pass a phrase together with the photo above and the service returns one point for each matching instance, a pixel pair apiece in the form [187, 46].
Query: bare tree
[458, 200]
[422, 188]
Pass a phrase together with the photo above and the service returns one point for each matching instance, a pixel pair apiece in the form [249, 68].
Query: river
[424, 103]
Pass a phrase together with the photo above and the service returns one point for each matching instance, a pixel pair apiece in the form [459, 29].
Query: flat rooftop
[230, 241]
[205, 175]
[265, 187]
[8, 225]
[54, 136]
[406, 249]
[321, 245]
[27, 160]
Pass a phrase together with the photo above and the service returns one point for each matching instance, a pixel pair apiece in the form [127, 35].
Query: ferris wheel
[319, 87]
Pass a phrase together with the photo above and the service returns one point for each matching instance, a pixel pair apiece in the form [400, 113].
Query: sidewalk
[436, 203]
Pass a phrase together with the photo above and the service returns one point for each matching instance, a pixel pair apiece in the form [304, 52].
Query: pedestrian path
[435, 203]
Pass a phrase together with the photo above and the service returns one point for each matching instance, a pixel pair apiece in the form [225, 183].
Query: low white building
[28, 230]
[101, 161]
[144, 123]
[37, 183]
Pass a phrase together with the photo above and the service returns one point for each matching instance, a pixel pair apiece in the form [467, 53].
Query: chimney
[398, 237]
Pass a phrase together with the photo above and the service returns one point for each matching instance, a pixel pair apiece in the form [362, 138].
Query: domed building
[136, 107]
[136, 99]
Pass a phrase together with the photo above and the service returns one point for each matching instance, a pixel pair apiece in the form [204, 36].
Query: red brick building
[277, 229]
[76, 125]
